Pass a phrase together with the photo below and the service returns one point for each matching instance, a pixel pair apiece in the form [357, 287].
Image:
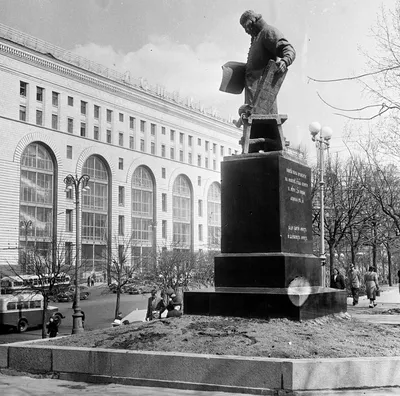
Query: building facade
[153, 158]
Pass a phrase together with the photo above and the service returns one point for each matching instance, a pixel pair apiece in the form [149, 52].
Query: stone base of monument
[296, 303]
[270, 270]
[267, 268]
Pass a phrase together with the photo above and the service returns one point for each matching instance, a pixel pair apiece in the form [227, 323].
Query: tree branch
[354, 77]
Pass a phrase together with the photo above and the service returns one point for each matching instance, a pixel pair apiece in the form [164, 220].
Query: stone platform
[213, 373]
[296, 303]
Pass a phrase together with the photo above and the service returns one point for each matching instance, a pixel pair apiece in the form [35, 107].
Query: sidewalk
[18, 385]
[389, 299]
[11, 385]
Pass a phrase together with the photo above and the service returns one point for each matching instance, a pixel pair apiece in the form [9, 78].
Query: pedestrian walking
[88, 281]
[52, 328]
[354, 282]
[337, 280]
[371, 286]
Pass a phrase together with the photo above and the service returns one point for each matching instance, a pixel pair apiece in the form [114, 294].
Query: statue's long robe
[269, 44]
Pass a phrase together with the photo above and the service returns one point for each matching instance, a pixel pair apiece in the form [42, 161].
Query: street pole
[76, 183]
[322, 142]
[26, 224]
[322, 216]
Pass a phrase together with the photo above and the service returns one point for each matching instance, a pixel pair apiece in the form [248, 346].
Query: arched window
[143, 226]
[214, 215]
[182, 213]
[95, 216]
[36, 199]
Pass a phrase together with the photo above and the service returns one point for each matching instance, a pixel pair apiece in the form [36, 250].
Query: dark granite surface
[266, 268]
[266, 205]
[283, 303]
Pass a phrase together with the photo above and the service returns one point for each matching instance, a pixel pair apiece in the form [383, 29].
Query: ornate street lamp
[75, 183]
[321, 136]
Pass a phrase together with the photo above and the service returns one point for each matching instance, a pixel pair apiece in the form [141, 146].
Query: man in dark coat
[154, 303]
[337, 280]
[267, 43]
[52, 328]
[174, 307]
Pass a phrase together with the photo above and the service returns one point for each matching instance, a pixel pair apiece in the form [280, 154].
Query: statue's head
[249, 21]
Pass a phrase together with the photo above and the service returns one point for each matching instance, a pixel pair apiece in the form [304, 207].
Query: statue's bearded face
[249, 26]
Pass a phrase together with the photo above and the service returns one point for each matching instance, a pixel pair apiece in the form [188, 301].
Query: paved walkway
[28, 386]
[389, 299]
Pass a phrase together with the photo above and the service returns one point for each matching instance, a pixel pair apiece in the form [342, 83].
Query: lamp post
[321, 136]
[75, 183]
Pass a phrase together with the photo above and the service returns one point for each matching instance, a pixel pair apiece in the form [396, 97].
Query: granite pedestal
[266, 267]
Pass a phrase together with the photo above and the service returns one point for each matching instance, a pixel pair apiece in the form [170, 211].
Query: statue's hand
[281, 65]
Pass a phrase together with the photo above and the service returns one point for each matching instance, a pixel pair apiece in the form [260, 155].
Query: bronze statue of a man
[267, 43]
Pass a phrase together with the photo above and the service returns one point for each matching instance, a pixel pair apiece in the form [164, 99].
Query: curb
[251, 375]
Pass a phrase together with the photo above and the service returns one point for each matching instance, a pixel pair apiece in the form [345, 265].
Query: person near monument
[267, 43]
[117, 320]
[154, 304]
[170, 304]
[398, 275]
[83, 319]
[354, 282]
[371, 285]
[52, 328]
[337, 280]
[175, 307]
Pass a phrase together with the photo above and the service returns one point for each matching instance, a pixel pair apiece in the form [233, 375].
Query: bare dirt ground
[332, 336]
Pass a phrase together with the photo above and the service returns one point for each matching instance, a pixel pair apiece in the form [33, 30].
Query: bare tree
[383, 184]
[345, 201]
[181, 269]
[124, 268]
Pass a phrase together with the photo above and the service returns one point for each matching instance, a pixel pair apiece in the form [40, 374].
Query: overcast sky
[182, 44]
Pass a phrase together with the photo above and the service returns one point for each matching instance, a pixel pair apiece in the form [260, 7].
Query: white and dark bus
[19, 283]
[23, 310]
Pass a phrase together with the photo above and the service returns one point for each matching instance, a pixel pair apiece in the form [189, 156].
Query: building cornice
[138, 94]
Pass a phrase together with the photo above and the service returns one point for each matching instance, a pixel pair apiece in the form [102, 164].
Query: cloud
[194, 72]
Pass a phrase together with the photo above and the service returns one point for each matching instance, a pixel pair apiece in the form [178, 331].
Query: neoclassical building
[153, 158]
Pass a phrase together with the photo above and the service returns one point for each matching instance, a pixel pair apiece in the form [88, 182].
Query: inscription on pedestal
[296, 199]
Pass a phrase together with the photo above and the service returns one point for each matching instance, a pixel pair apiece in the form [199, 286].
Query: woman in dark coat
[337, 280]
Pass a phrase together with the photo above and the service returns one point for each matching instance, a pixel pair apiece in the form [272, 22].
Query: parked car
[69, 294]
[65, 296]
[113, 287]
[133, 290]
[84, 292]
[146, 288]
